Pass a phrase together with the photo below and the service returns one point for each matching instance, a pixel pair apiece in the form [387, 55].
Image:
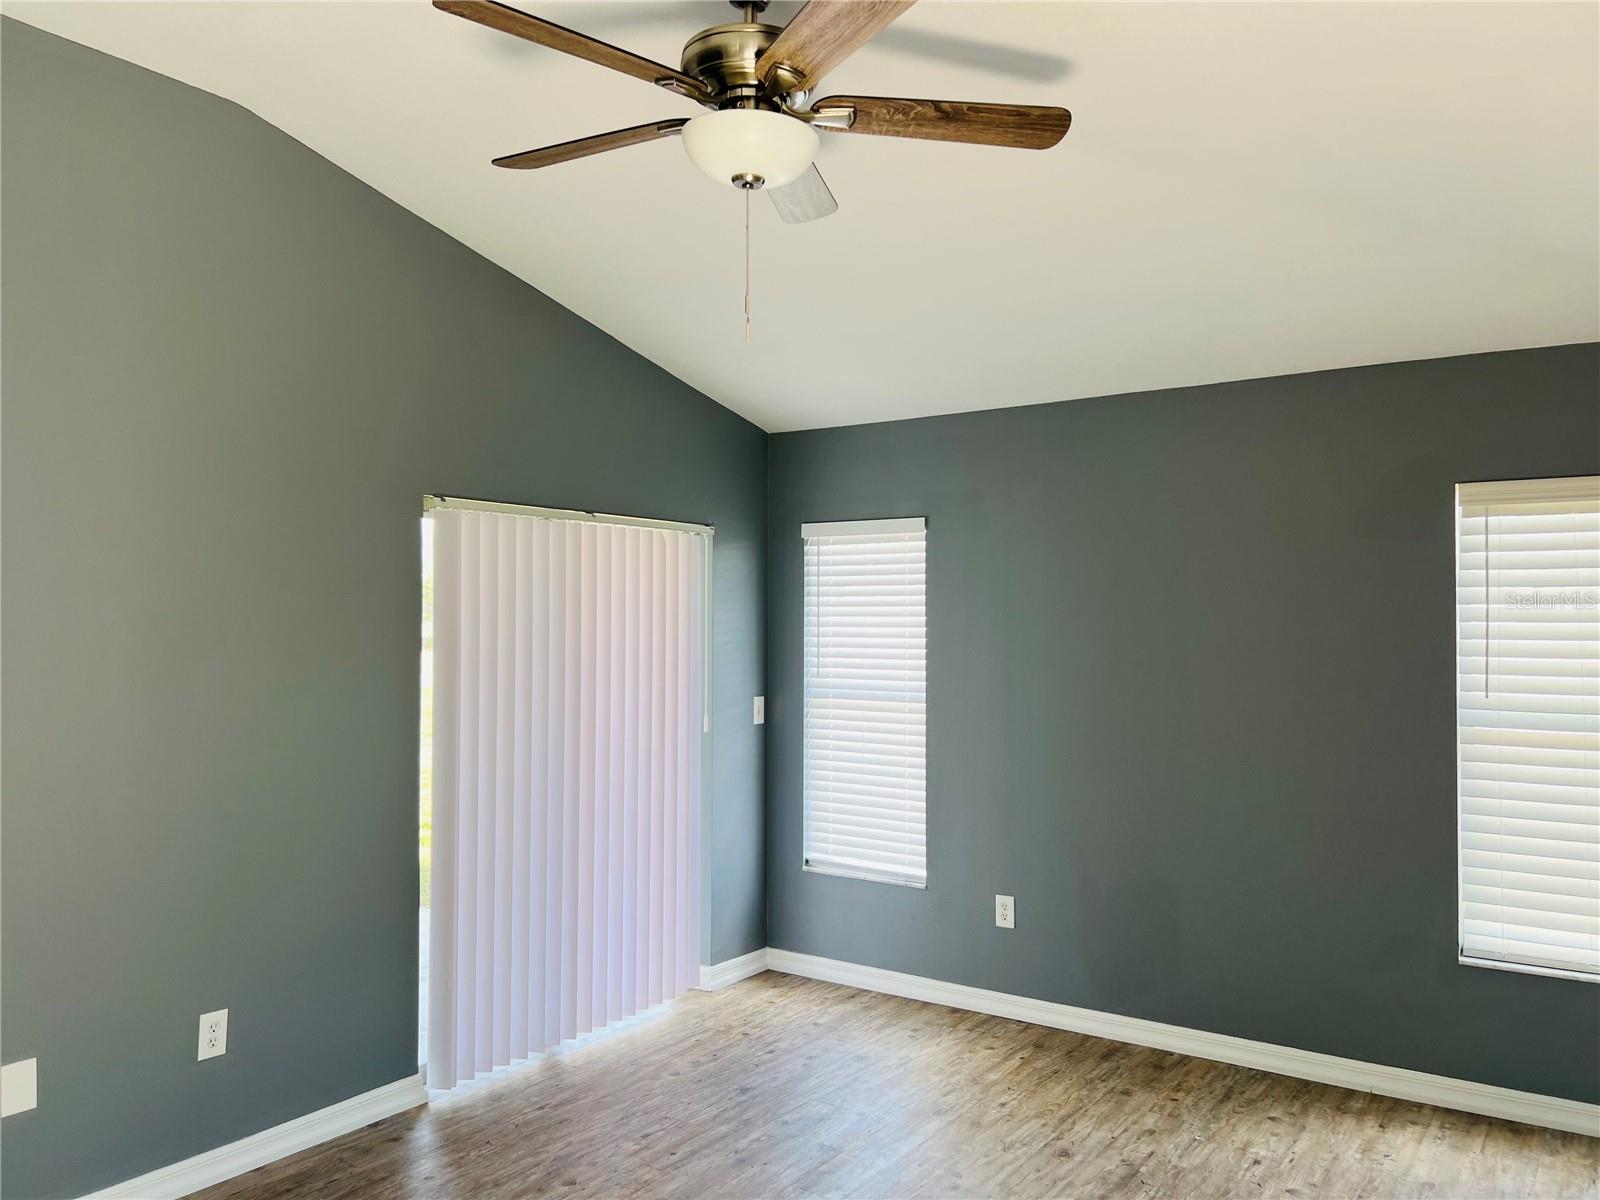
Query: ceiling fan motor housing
[724, 59]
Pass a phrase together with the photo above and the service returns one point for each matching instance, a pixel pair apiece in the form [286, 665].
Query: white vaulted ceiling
[1247, 189]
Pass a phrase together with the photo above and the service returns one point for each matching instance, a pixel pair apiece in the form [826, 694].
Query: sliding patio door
[569, 671]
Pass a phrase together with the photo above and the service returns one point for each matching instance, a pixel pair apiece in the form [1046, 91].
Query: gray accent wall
[231, 371]
[1191, 702]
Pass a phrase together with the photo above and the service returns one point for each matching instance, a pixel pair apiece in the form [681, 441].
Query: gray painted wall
[1191, 701]
[230, 373]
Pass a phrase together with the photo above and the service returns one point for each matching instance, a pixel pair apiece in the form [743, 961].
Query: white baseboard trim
[1529, 1108]
[259, 1149]
[1552, 1112]
[730, 971]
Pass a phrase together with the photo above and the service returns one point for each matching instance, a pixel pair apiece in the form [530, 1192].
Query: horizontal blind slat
[1555, 792]
[1556, 872]
[1585, 907]
[1543, 885]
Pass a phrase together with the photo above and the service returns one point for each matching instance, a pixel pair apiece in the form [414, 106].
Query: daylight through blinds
[865, 699]
[1528, 722]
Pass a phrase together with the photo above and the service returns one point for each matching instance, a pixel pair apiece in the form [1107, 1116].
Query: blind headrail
[431, 502]
[1579, 488]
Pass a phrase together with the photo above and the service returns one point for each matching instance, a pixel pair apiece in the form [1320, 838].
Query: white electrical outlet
[213, 1034]
[19, 1086]
[1005, 912]
[761, 710]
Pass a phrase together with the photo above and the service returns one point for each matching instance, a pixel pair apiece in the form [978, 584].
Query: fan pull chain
[747, 265]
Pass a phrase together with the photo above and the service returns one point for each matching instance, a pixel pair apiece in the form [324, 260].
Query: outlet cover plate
[1005, 912]
[761, 710]
[19, 1086]
[213, 1034]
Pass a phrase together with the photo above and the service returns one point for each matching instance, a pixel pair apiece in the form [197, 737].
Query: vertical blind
[568, 673]
[866, 699]
[1528, 683]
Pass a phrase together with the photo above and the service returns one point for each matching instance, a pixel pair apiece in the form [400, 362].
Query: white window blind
[1528, 721]
[569, 679]
[865, 699]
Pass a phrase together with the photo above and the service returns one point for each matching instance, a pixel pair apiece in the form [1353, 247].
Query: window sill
[862, 875]
[1527, 969]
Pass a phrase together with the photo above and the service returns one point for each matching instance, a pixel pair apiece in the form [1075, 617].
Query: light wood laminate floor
[783, 1086]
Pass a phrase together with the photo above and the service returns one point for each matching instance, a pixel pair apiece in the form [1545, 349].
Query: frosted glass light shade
[750, 141]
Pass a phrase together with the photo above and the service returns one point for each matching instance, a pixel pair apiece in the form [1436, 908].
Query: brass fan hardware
[758, 80]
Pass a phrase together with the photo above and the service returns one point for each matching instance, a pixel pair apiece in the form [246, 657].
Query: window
[1528, 724]
[865, 700]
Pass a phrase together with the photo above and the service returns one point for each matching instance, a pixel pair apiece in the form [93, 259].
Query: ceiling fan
[757, 79]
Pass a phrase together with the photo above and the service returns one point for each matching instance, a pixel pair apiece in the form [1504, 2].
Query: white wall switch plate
[761, 710]
[1005, 912]
[19, 1086]
[213, 1034]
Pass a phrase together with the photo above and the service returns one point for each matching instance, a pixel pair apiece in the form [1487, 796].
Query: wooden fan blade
[822, 35]
[546, 33]
[1025, 126]
[548, 156]
[805, 199]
